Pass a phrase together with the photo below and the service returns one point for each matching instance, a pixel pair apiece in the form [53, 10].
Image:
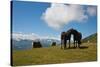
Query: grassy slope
[92, 38]
[52, 55]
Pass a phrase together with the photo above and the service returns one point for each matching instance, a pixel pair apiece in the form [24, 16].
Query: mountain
[22, 44]
[27, 43]
[92, 38]
[48, 42]
[24, 40]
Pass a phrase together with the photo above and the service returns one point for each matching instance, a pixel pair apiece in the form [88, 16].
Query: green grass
[92, 38]
[53, 55]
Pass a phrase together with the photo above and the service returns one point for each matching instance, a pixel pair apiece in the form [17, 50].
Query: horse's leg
[69, 43]
[74, 43]
[64, 44]
[78, 44]
[61, 44]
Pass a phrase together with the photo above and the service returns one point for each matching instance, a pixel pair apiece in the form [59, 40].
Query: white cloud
[58, 15]
[19, 36]
[31, 36]
[92, 10]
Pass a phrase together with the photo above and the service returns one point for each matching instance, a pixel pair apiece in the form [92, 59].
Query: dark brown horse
[77, 36]
[66, 36]
[63, 35]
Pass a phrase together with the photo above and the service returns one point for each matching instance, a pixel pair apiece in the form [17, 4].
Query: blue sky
[27, 19]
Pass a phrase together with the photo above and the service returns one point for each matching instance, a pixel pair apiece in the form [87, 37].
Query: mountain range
[19, 44]
[27, 44]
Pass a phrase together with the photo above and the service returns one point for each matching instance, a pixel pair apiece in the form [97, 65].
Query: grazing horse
[77, 39]
[65, 36]
[77, 36]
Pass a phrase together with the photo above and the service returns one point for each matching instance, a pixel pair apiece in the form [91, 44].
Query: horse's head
[63, 35]
[79, 35]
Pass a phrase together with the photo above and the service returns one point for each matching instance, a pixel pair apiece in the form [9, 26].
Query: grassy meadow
[53, 55]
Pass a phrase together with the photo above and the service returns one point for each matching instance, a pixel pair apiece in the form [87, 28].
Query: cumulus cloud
[31, 36]
[92, 10]
[58, 15]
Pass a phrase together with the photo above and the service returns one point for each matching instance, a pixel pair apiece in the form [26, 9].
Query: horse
[77, 36]
[66, 36]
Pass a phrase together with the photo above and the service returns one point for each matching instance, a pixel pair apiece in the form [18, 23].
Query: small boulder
[37, 44]
[53, 44]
